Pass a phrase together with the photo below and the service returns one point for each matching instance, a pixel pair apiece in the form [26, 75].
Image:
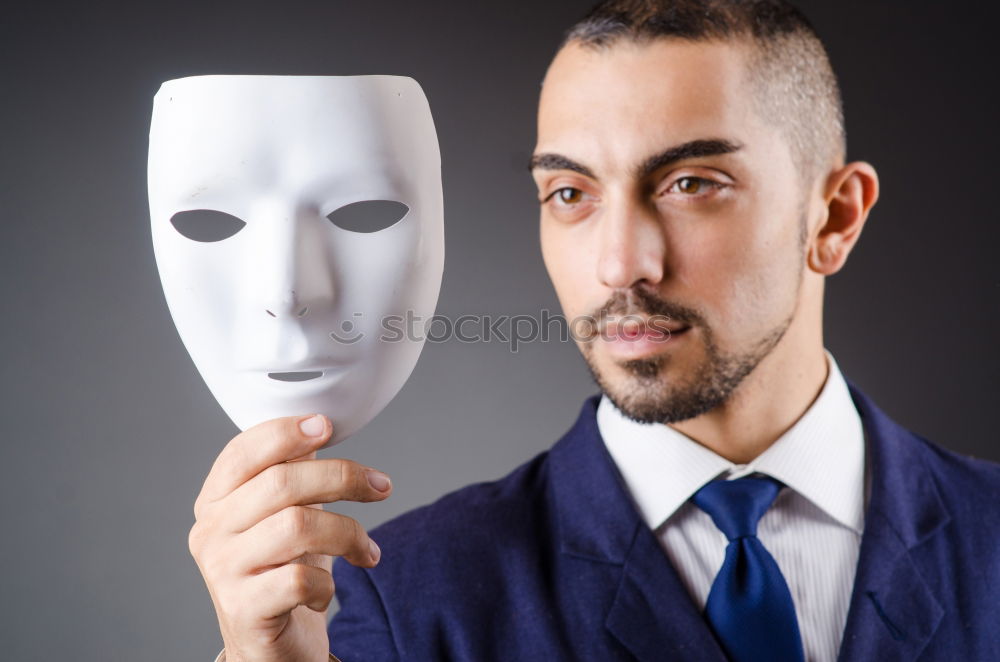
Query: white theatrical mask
[297, 221]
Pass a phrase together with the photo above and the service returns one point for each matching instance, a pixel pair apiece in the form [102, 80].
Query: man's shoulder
[906, 461]
[482, 563]
[963, 479]
[960, 492]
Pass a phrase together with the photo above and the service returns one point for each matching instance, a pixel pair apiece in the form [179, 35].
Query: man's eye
[692, 185]
[568, 195]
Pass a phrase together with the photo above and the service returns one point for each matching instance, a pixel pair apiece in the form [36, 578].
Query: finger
[278, 591]
[266, 444]
[295, 532]
[307, 456]
[298, 484]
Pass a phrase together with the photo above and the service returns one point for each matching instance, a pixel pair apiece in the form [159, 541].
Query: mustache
[636, 303]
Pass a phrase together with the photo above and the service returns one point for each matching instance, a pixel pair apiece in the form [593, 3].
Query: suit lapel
[653, 616]
[894, 610]
[613, 553]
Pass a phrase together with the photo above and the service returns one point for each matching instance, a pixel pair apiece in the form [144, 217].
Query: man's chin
[649, 372]
[634, 386]
[643, 391]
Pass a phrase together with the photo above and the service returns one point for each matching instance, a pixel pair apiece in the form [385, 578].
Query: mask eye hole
[206, 225]
[368, 215]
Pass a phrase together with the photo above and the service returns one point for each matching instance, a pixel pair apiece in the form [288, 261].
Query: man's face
[665, 197]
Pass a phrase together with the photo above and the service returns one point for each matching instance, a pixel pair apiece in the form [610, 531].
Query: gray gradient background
[107, 428]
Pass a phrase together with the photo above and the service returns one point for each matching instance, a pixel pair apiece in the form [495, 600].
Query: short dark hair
[795, 86]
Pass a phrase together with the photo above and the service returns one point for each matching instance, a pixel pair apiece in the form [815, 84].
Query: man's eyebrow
[689, 150]
[558, 162]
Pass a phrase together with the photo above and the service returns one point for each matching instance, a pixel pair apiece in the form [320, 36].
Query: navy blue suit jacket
[553, 562]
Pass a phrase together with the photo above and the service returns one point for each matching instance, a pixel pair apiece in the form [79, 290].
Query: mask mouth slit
[295, 376]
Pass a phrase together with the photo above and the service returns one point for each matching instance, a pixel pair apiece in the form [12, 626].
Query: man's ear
[849, 194]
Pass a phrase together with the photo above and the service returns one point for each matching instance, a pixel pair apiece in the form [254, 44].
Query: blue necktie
[749, 607]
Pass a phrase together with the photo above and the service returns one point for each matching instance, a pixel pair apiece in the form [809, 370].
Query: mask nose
[288, 265]
[301, 313]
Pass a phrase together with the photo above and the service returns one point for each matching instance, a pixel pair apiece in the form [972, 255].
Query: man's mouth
[629, 342]
[633, 329]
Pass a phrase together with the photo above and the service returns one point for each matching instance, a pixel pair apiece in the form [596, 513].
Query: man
[730, 495]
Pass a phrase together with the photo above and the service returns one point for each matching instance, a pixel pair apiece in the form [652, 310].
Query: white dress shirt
[813, 529]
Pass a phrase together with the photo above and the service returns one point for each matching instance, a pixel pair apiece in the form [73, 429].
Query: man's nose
[631, 246]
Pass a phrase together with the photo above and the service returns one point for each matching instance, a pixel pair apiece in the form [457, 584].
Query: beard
[646, 397]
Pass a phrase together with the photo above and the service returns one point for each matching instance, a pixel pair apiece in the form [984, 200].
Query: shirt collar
[822, 457]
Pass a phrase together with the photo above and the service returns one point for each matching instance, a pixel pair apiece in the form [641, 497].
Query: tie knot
[737, 505]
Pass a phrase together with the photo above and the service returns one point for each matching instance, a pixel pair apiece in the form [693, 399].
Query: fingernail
[374, 551]
[313, 426]
[379, 480]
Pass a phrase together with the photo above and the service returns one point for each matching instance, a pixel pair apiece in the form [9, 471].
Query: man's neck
[762, 408]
